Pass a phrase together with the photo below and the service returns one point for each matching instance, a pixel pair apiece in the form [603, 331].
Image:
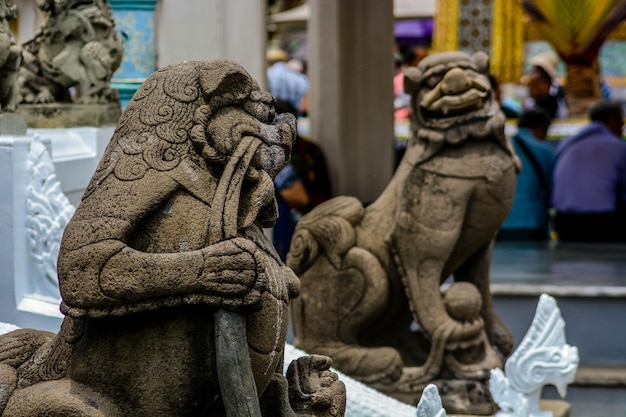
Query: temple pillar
[211, 29]
[351, 98]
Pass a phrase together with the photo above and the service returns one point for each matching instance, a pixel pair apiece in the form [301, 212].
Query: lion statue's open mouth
[453, 102]
[455, 94]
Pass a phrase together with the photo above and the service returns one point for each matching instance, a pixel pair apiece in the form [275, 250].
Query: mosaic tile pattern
[475, 17]
[137, 29]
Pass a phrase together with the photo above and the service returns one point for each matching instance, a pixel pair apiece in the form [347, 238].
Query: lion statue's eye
[432, 81]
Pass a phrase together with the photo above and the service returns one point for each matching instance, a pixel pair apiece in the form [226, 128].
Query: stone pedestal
[557, 407]
[67, 115]
[12, 124]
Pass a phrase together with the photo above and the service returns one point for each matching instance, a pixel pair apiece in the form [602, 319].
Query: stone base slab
[66, 115]
[559, 408]
[601, 376]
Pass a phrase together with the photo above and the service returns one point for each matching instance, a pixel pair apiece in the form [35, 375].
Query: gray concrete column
[211, 29]
[351, 98]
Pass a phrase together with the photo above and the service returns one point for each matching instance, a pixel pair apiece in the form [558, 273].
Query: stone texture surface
[368, 273]
[12, 124]
[167, 237]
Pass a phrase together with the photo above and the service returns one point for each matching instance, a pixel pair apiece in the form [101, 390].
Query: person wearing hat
[285, 83]
[543, 90]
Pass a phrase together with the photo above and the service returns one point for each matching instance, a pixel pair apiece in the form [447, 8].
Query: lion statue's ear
[227, 80]
[411, 79]
[481, 62]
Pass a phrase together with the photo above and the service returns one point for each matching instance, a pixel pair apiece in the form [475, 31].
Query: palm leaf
[574, 27]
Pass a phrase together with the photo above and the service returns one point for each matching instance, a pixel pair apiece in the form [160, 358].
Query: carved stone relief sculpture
[430, 403]
[542, 358]
[76, 47]
[48, 212]
[165, 247]
[371, 276]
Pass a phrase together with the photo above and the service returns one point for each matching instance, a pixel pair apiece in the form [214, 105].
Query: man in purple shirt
[589, 192]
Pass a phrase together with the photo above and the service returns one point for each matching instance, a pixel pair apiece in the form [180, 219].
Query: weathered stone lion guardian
[168, 235]
[369, 274]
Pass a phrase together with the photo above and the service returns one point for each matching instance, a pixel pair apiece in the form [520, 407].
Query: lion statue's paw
[314, 390]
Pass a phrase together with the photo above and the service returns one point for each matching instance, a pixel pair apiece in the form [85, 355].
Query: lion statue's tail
[329, 228]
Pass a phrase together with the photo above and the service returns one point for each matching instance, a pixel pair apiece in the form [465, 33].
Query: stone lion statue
[167, 238]
[10, 58]
[77, 46]
[371, 276]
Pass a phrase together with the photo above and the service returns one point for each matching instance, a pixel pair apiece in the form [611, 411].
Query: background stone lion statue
[10, 58]
[77, 46]
[370, 275]
[168, 235]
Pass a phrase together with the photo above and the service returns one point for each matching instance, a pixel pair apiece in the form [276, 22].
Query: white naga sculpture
[430, 403]
[542, 358]
[7, 327]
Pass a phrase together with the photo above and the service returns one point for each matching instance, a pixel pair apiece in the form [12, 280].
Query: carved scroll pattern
[166, 118]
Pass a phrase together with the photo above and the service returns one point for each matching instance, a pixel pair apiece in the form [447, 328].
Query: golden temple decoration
[531, 33]
[445, 36]
[507, 40]
[510, 27]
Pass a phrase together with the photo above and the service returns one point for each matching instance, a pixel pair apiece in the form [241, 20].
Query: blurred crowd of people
[574, 189]
[589, 194]
[304, 182]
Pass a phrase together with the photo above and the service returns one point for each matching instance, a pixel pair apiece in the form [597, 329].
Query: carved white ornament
[430, 403]
[47, 213]
[7, 327]
[542, 358]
